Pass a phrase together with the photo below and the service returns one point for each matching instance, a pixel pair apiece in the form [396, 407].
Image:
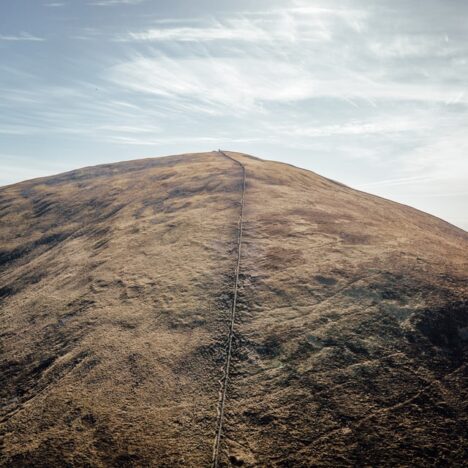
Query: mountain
[218, 309]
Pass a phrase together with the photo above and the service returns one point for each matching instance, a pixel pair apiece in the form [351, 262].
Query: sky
[370, 93]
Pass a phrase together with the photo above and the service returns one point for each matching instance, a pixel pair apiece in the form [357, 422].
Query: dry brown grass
[115, 288]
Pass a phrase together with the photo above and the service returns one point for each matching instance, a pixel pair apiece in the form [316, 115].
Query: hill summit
[216, 309]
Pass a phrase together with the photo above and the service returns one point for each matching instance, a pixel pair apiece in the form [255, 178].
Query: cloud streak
[216, 83]
[245, 83]
[106, 3]
[21, 38]
[299, 24]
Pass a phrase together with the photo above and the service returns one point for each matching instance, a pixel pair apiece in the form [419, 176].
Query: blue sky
[371, 93]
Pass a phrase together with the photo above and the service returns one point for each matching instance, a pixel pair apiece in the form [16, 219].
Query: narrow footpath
[227, 364]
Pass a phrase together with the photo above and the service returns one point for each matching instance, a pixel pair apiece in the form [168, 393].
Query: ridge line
[225, 378]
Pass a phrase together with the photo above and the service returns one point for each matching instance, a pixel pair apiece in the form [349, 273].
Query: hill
[136, 330]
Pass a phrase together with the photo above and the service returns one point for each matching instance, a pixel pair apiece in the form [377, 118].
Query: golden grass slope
[351, 342]
[115, 312]
[116, 284]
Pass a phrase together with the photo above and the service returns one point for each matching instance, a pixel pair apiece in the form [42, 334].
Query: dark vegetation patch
[361, 293]
[211, 352]
[49, 240]
[43, 365]
[6, 291]
[354, 238]
[203, 186]
[107, 214]
[28, 279]
[42, 206]
[54, 210]
[163, 176]
[5, 205]
[236, 461]
[100, 244]
[270, 348]
[259, 418]
[156, 204]
[443, 328]
[307, 347]
[25, 377]
[326, 280]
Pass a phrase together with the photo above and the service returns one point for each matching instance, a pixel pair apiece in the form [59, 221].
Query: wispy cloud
[245, 83]
[115, 2]
[241, 31]
[21, 37]
[210, 141]
[389, 126]
[14, 129]
[289, 54]
[285, 25]
[443, 154]
[410, 46]
[280, 27]
[55, 4]
[397, 181]
[221, 82]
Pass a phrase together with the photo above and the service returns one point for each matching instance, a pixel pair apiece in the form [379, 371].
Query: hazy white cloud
[21, 37]
[299, 24]
[398, 181]
[15, 129]
[290, 54]
[432, 176]
[443, 155]
[115, 2]
[210, 141]
[235, 83]
[241, 31]
[246, 83]
[389, 126]
[414, 46]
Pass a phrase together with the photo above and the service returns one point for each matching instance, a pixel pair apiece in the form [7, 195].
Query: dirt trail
[225, 378]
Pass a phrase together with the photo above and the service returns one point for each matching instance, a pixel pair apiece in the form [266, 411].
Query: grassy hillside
[116, 285]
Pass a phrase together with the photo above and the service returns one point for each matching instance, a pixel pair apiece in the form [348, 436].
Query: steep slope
[351, 336]
[117, 282]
